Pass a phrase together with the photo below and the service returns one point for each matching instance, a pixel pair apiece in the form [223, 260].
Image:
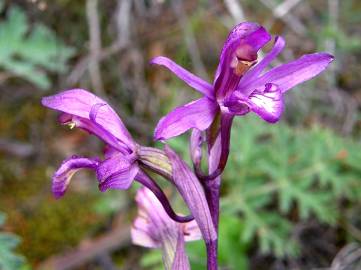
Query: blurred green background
[291, 192]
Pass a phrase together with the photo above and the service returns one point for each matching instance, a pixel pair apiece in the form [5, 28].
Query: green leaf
[31, 53]
[9, 260]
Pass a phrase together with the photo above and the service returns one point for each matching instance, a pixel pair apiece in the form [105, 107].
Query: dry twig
[95, 46]
[281, 12]
[115, 239]
[189, 38]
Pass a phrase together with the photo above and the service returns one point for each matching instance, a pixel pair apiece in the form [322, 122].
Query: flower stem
[212, 194]
[148, 182]
[212, 255]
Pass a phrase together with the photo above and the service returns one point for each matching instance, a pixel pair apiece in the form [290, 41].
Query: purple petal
[62, 177]
[141, 234]
[191, 231]
[150, 215]
[153, 225]
[109, 151]
[116, 172]
[268, 104]
[196, 114]
[251, 75]
[189, 78]
[96, 129]
[238, 53]
[83, 104]
[181, 261]
[293, 73]
[193, 194]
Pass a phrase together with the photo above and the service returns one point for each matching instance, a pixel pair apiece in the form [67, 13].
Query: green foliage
[301, 172]
[9, 260]
[30, 53]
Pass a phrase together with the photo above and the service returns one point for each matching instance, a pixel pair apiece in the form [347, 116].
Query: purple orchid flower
[82, 109]
[240, 85]
[120, 165]
[154, 229]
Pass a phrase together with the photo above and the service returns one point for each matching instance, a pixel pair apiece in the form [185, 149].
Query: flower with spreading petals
[154, 229]
[240, 84]
[80, 108]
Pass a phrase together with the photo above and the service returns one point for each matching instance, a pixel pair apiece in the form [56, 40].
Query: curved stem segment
[148, 182]
[226, 123]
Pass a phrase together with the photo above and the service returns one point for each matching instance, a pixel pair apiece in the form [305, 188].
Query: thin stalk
[148, 182]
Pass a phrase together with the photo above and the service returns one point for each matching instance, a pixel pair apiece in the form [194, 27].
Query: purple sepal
[196, 114]
[154, 229]
[289, 75]
[62, 177]
[116, 172]
[189, 78]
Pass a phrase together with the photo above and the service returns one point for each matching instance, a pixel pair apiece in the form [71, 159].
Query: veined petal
[141, 232]
[153, 228]
[83, 104]
[196, 114]
[94, 128]
[189, 78]
[268, 104]
[252, 74]
[109, 151]
[191, 231]
[62, 177]
[238, 54]
[193, 194]
[295, 72]
[116, 172]
[151, 222]
[181, 261]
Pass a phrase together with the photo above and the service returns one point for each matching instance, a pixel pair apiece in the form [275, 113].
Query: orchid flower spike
[240, 84]
[154, 229]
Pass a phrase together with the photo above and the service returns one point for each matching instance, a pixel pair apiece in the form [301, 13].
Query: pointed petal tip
[44, 101]
[157, 60]
[331, 57]
[57, 195]
[102, 187]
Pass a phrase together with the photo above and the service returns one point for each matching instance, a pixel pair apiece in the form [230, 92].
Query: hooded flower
[154, 229]
[240, 84]
[80, 108]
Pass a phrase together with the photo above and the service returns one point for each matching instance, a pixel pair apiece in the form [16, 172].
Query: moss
[46, 226]
[56, 226]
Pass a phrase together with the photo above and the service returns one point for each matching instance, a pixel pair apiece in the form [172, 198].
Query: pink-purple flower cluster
[241, 85]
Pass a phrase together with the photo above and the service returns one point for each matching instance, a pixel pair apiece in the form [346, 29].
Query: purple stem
[212, 188]
[212, 194]
[143, 178]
